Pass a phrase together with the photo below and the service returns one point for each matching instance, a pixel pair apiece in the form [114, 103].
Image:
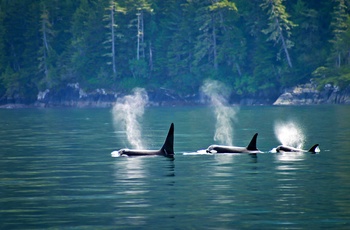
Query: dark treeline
[256, 47]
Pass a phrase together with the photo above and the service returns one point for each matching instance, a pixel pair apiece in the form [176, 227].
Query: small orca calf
[283, 148]
[250, 149]
[167, 150]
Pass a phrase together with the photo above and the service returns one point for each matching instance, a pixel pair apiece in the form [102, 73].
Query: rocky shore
[74, 96]
[308, 94]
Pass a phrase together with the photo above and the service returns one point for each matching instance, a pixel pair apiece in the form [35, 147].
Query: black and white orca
[250, 149]
[167, 149]
[284, 148]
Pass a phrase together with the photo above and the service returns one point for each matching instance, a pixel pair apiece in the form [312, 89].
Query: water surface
[57, 172]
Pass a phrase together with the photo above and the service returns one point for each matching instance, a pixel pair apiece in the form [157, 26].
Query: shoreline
[152, 104]
[75, 97]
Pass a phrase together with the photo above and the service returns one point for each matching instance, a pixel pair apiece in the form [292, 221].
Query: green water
[56, 171]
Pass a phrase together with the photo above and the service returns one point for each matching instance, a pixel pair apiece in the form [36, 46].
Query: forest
[255, 47]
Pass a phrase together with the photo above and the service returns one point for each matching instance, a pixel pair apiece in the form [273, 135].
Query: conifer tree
[171, 43]
[2, 39]
[3, 60]
[137, 11]
[45, 50]
[279, 26]
[89, 34]
[307, 52]
[210, 21]
[339, 26]
[112, 9]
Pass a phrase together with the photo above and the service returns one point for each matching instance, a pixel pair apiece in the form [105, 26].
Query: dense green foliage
[257, 47]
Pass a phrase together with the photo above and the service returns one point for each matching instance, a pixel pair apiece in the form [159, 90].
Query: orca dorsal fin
[313, 148]
[252, 144]
[168, 146]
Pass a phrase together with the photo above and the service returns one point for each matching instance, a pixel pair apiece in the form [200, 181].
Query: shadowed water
[57, 172]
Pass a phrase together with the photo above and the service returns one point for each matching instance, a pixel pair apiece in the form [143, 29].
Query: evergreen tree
[279, 26]
[87, 59]
[345, 44]
[171, 43]
[309, 51]
[178, 45]
[339, 26]
[46, 52]
[260, 70]
[112, 9]
[61, 14]
[2, 39]
[19, 74]
[2, 49]
[205, 56]
[231, 44]
[138, 13]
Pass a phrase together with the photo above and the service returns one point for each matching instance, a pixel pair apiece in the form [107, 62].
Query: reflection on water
[290, 156]
[224, 158]
[130, 168]
[56, 172]
[129, 179]
[290, 189]
[136, 186]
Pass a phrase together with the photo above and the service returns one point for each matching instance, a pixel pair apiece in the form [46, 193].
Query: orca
[283, 148]
[167, 149]
[250, 149]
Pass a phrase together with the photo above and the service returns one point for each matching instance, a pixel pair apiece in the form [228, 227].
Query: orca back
[252, 144]
[168, 146]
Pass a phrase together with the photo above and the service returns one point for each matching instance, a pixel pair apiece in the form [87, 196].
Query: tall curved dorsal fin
[168, 146]
[252, 144]
[313, 148]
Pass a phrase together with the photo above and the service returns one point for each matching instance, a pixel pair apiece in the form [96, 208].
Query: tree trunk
[286, 51]
[285, 48]
[113, 42]
[142, 36]
[46, 46]
[15, 64]
[138, 36]
[238, 69]
[150, 57]
[214, 44]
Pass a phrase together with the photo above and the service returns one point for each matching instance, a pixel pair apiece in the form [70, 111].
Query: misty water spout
[127, 113]
[225, 114]
[290, 134]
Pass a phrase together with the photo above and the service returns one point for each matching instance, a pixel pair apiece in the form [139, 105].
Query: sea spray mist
[127, 113]
[289, 133]
[225, 114]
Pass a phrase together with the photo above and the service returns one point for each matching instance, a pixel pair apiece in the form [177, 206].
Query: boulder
[74, 96]
[308, 94]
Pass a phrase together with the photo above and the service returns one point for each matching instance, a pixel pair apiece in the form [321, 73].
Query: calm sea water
[56, 171]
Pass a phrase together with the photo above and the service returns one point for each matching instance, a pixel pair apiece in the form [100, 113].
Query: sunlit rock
[308, 94]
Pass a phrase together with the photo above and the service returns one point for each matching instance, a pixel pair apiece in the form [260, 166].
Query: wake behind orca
[283, 148]
[167, 149]
[250, 149]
